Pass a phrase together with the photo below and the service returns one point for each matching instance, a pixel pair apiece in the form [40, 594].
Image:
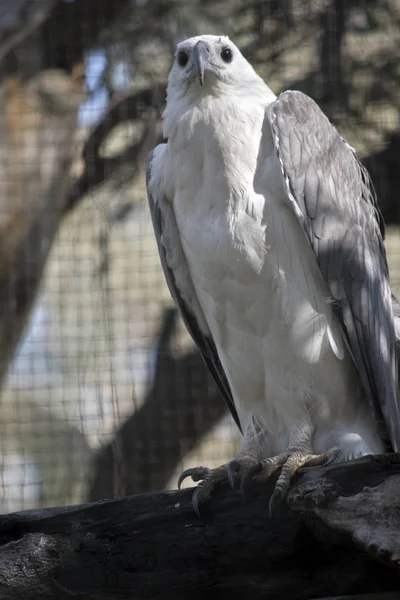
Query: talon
[196, 501]
[183, 476]
[247, 479]
[335, 455]
[210, 479]
[274, 501]
[196, 473]
[233, 469]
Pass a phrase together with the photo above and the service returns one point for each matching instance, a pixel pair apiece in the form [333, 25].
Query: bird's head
[210, 65]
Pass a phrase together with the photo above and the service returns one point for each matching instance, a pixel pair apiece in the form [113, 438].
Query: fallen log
[338, 534]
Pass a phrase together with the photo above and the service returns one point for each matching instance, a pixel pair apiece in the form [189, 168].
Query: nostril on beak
[203, 45]
[201, 57]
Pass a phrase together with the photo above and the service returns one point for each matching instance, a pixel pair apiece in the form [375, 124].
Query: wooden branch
[154, 546]
[52, 23]
[333, 22]
[130, 106]
[38, 16]
[360, 498]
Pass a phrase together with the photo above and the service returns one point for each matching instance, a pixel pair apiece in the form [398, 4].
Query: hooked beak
[201, 56]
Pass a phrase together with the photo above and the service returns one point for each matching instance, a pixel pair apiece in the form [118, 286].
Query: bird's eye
[226, 55]
[182, 58]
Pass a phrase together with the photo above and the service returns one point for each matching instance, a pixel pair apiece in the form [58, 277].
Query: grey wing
[396, 313]
[171, 253]
[331, 194]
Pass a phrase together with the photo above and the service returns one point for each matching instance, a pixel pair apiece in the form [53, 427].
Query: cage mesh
[103, 392]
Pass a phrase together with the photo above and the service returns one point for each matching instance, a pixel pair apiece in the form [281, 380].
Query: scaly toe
[297, 460]
[330, 457]
[209, 479]
[290, 462]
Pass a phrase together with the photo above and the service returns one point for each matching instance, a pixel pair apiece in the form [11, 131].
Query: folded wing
[331, 194]
[181, 287]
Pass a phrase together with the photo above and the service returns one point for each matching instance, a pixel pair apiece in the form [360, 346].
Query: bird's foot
[210, 478]
[289, 462]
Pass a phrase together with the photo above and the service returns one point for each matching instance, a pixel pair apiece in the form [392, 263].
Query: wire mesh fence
[103, 392]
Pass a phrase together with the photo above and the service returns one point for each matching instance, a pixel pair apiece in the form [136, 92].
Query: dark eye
[182, 58]
[226, 55]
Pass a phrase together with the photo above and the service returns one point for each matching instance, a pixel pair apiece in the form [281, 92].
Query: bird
[272, 245]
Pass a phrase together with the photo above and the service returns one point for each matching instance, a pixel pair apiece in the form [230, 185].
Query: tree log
[154, 546]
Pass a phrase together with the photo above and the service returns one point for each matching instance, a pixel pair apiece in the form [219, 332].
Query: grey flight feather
[396, 313]
[333, 197]
[205, 343]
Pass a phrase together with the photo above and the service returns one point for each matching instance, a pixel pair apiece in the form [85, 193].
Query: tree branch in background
[38, 14]
[182, 405]
[383, 167]
[38, 125]
[132, 106]
[333, 89]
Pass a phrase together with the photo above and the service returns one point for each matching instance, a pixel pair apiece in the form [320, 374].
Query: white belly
[267, 309]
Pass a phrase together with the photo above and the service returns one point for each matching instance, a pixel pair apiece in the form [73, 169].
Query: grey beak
[201, 56]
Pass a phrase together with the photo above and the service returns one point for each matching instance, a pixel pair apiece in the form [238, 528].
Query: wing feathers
[176, 271]
[330, 192]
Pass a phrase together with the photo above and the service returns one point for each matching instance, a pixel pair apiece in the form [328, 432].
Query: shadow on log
[339, 534]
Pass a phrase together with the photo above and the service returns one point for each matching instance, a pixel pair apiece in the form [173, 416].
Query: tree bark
[154, 546]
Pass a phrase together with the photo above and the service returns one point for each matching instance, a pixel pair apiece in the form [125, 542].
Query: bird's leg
[299, 454]
[247, 457]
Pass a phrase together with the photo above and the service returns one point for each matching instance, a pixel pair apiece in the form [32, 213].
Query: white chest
[253, 271]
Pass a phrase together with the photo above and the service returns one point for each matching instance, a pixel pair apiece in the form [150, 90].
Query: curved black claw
[247, 479]
[332, 458]
[196, 499]
[196, 473]
[274, 503]
[233, 470]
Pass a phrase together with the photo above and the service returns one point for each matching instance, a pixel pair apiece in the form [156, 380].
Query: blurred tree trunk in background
[37, 127]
